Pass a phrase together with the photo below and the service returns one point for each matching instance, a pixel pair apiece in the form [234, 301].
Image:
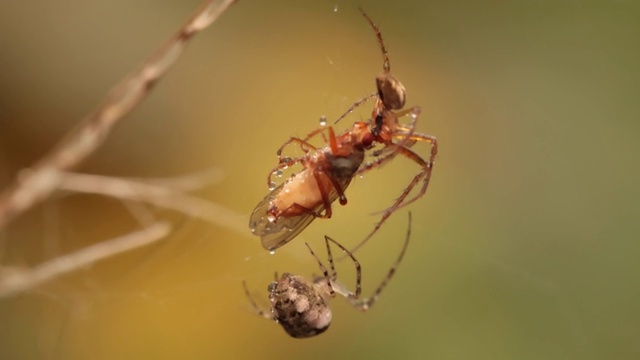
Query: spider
[301, 306]
[327, 171]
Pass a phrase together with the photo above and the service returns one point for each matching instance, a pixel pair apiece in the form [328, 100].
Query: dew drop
[277, 173]
[272, 252]
[323, 120]
[271, 218]
[272, 185]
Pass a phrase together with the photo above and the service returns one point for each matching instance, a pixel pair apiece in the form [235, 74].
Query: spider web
[182, 296]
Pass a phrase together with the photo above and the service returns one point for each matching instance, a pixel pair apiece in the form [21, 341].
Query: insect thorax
[343, 167]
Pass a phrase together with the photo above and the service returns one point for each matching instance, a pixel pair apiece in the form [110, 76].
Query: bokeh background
[525, 246]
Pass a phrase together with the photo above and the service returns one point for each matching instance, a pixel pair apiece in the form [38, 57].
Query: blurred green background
[525, 246]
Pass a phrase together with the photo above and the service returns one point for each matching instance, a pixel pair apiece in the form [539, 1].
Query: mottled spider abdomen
[298, 306]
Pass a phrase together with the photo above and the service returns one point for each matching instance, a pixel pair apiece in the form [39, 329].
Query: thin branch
[16, 280]
[38, 182]
[160, 196]
[187, 182]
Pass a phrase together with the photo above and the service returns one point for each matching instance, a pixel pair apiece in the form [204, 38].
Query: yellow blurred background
[525, 246]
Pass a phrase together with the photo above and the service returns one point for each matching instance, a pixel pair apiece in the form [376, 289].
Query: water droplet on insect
[323, 120]
[278, 173]
[272, 185]
[271, 218]
[272, 252]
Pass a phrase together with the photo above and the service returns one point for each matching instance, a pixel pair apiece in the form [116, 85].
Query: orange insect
[328, 171]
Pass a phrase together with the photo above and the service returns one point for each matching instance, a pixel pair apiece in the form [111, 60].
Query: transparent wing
[275, 234]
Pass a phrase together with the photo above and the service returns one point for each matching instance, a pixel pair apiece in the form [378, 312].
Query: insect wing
[275, 234]
[279, 232]
[284, 230]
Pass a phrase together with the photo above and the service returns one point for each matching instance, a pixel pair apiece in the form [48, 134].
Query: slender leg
[424, 175]
[334, 274]
[324, 192]
[281, 166]
[324, 271]
[301, 210]
[404, 133]
[341, 289]
[338, 187]
[386, 66]
[367, 303]
[304, 143]
[298, 209]
[264, 314]
[355, 105]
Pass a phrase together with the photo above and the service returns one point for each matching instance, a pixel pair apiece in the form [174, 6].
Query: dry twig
[51, 172]
[16, 280]
[160, 196]
[38, 182]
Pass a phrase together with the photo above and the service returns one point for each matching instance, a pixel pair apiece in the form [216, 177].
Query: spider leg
[334, 274]
[402, 132]
[386, 67]
[424, 175]
[339, 288]
[366, 303]
[264, 314]
[324, 270]
[381, 160]
[427, 168]
[405, 131]
[408, 138]
[355, 105]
